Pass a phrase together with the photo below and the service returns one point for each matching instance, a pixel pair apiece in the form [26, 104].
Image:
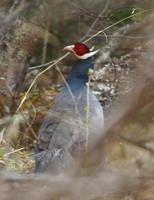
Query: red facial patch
[81, 49]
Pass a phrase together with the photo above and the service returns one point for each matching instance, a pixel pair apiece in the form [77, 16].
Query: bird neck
[79, 73]
[78, 77]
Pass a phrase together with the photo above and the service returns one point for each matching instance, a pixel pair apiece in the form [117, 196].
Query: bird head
[80, 51]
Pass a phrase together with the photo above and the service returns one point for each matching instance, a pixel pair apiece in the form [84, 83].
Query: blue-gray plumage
[68, 127]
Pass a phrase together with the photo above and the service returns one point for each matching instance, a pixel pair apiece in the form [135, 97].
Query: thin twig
[31, 123]
[15, 151]
[85, 11]
[68, 87]
[41, 66]
[11, 16]
[96, 20]
[116, 23]
[87, 114]
[65, 55]
[7, 86]
[35, 79]
[126, 36]
[45, 43]
[2, 135]
[72, 95]
[90, 73]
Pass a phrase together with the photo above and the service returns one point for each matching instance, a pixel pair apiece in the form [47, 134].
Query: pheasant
[74, 122]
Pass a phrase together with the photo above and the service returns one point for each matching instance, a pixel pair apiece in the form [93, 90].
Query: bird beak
[69, 48]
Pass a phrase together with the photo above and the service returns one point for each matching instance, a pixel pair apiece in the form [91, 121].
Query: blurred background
[32, 36]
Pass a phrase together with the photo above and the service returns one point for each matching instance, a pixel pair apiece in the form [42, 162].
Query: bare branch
[96, 20]
[35, 79]
[65, 55]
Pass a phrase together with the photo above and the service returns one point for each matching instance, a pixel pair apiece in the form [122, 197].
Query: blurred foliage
[124, 13]
[20, 162]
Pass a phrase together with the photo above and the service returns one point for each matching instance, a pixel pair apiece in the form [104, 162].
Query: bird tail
[54, 161]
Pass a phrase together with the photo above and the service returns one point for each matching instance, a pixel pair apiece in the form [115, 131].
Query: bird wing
[58, 135]
[47, 130]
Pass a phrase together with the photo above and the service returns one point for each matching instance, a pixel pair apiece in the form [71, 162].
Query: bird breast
[82, 114]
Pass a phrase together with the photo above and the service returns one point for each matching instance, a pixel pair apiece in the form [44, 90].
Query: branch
[96, 20]
[65, 55]
[35, 79]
